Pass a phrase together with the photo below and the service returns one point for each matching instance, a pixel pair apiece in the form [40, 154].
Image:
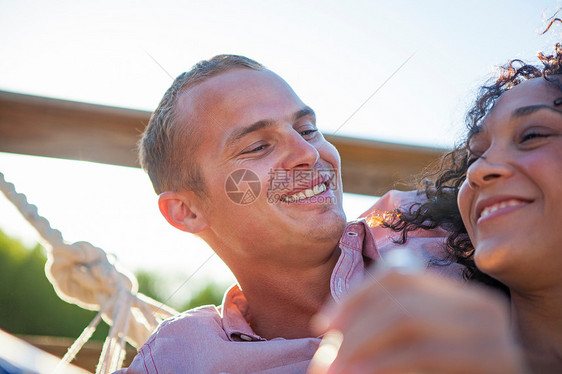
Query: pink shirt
[220, 340]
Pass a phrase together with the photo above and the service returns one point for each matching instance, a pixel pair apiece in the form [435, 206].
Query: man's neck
[282, 301]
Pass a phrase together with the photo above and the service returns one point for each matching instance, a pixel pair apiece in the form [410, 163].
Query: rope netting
[85, 275]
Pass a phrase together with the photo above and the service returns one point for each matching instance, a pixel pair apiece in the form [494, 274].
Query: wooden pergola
[41, 126]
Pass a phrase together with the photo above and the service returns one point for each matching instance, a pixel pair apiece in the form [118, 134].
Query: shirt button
[245, 337]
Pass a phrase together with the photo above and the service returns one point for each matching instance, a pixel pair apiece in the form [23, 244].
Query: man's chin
[329, 227]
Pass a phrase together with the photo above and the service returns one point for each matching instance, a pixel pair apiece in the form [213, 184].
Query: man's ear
[181, 210]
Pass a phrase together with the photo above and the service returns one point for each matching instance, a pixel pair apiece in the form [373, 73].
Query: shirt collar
[356, 242]
[235, 316]
[357, 236]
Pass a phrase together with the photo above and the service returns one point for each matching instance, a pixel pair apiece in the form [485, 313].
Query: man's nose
[486, 170]
[299, 153]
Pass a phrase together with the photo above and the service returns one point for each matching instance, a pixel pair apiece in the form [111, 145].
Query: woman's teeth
[504, 204]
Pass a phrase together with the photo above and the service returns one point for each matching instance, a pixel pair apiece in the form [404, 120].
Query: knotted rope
[84, 275]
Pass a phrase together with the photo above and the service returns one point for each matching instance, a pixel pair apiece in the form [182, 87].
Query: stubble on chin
[329, 231]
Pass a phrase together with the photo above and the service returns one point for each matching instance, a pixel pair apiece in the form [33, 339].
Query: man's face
[273, 181]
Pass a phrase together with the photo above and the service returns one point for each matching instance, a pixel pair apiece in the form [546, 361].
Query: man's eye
[256, 149]
[308, 132]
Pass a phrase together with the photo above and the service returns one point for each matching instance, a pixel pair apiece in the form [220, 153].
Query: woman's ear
[181, 210]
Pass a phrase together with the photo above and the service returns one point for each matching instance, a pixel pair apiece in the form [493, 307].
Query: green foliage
[30, 306]
[212, 293]
[150, 284]
[28, 302]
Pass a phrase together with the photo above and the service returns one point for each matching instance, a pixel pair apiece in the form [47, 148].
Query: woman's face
[511, 200]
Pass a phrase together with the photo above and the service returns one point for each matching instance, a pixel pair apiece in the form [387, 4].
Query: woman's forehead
[531, 92]
[537, 91]
[534, 92]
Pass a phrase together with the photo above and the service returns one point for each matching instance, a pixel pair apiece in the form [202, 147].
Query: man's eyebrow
[262, 124]
[240, 133]
[530, 109]
[306, 111]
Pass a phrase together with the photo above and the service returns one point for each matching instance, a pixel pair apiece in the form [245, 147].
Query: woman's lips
[489, 207]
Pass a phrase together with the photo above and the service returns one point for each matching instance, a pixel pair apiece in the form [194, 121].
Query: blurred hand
[416, 322]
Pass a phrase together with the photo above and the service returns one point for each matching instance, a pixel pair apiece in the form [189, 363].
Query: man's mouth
[309, 192]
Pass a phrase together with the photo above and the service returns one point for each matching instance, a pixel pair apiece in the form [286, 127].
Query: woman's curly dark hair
[440, 208]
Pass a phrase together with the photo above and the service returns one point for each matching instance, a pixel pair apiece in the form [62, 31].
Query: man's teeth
[316, 190]
[492, 208]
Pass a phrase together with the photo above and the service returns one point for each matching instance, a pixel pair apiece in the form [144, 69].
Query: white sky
[335, 54]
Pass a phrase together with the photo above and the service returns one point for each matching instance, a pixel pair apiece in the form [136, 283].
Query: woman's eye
[532, 135]
[473, 155]
[471, 160]
[535, 132]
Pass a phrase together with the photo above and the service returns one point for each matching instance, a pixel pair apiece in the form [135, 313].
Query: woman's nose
[486, 170]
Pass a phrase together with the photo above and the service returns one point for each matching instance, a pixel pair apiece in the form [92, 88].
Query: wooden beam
[43, 126]
[372, 167]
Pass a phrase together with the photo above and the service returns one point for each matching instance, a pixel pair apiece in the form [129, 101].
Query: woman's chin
[493, 261]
